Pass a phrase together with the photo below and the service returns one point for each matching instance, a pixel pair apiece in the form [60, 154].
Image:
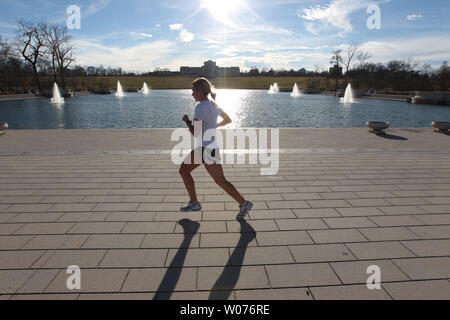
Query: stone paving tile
[355, 272]
[406, 201]
[256, 225]
[102, 199]
[12, 280]
[35, 217]
[195, 257]
[205, 227]
[45, 228]
[56, 242]
[129, 216]
[66, 258]
[51, 297]
[160, 207]
[301, 275]
[389, 233]
[316, 213]
[225, 240]
[21, 199]
[38, 281]
[336, 236]
[178, 216]
[113, 241]
[419, 290]
[271, 214]
[425, 268]
[134, 258]
[170, 241]
[434, 219]
[83, 216]
[92, 280]
[18, 259]
[71, 207]
[150, 280]
[301, 196]
[19, 208]
[277, 238]
[149, 227]
[287, 204]
[97, 227]
[349, 292]
[232, 278]
[394, 221]
[379, 250]
[116, 296]
[321, 253]
[435, 208]
[274, 294]
[116, 207]
[424, 248]
[339, 195]
[329, 203]
[14, 242]
[354, 222]
[399, 210]
[260, 255]
[301, 224]
[62, 199]
[5, 217]
[368, 202]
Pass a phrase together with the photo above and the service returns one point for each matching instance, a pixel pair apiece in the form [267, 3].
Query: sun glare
[222, 10]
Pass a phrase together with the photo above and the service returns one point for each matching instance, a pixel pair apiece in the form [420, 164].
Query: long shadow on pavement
[173, 273]
[391, 137]
[225, 284]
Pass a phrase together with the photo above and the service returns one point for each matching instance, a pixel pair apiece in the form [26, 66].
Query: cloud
[413, 17]
[431, 49]
[141, 35]
[95, 7]
[335, 15]
[176, 26]
[141, 57]
[186, 36]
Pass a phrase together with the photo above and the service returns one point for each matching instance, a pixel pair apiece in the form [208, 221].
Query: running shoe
[192, 206]
[245, 209]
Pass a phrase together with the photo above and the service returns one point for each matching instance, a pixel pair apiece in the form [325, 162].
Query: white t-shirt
[208, 114]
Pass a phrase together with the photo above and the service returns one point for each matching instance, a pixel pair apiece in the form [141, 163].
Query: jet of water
[145, 89]
[348, 97]
[56, 95]
[119, 90]
[295, 91]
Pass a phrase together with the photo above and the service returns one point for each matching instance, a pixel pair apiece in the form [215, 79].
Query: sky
[141, 35]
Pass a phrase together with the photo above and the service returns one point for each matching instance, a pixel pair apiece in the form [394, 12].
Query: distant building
[210, 70]
[336, 70]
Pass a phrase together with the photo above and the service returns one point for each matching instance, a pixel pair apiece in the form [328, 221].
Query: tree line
[42, 53]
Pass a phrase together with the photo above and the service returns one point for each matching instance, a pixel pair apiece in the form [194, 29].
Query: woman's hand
[186, 118]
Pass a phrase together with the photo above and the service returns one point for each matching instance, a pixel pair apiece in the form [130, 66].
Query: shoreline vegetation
[86, 85]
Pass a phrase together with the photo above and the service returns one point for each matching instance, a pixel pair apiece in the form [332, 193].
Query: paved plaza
[108, 201]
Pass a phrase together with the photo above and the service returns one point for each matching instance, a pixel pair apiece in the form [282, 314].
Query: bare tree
[336, 61]
[59, 47]
[30, 43]
[352, 51]
[363, 57]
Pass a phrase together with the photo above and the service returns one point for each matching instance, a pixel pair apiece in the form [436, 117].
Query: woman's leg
[185, 172]
[216, 171]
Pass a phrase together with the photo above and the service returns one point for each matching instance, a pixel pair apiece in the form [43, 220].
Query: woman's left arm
[226, 120]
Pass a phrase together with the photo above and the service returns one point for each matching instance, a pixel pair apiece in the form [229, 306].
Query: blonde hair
[205, 86]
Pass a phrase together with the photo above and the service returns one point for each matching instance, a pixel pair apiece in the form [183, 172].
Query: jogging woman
[208, 152]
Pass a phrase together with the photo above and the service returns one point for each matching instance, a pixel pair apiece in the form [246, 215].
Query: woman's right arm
[226, 120]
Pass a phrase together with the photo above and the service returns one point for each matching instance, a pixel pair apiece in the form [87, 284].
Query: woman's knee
[184, 171]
